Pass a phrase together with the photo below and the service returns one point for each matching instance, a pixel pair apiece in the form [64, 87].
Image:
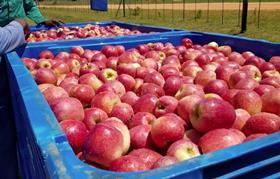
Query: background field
[268, 27]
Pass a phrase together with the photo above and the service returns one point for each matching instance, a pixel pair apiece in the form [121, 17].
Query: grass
[84, 2]
[268, 29]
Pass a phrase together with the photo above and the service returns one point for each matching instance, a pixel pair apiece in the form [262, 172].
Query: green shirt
[12, 9]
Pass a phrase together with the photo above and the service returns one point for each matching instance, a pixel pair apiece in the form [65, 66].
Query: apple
[103, 145]
[170, 71]
[151, 88]
[84, 93]
[93, 116]
[273, 81]
[149, 63]
[231, 64]
[241, 117]
[164, 105]
[271, 102]
[78, 50]
[254, 136]
[252, 71]
[183, 149]
[92, 80]
[145, 103]
[110, 51]
[164, 161]
[45, 75]
[76, 133]
[141, 118]
[62, 56]
[140, 136]
[219, 59]
[127, 163]
[262, 123]
[127, 80]
[66, 108]
[219, 139]
[46, 54]
[202, 59]
[166, 129]
[67, 81]
[29, 63]
[142, 48]
[212, 113]
[129, 57]
[217, 86]
[225, 49]
[248, 100]
[138, 83]
[54, 92]
[185, 106]
[236, 57]
[186, 42]
[224, 73]
[154, 77]
[112, 62]
[44, 86]
[44, 63]
[228, 96]
[89, 68]
[122, 111]
[119, 125]
[128, 68]
[235, 77]
[105, 100]
[108, 74]
[247, 54]
[60, 68]
[147, 156]
[204, 77]
[254, 60]
[129, 98]
[99, 59]
[88, 54]
[73, 64]
[189, 89]
[192, 70]
[263, 89]
[266, 66]
[114, 86]
[172, 85]
[120, 49]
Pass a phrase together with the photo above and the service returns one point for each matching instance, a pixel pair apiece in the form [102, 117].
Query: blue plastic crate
[143, 28]
[45, 152]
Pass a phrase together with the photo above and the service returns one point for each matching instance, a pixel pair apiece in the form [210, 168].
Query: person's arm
[33, 12]
[11, 36]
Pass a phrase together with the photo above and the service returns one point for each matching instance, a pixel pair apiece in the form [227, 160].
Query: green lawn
[268, 30]
[84, 2]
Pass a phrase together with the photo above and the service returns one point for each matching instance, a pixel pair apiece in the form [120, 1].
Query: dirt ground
[188, 6]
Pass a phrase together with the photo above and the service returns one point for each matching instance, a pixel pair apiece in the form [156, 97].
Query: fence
[167, 10]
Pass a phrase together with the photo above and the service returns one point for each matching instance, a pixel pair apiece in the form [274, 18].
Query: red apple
[145, 103]
[262, 123]
[247, 54]
[254, 136]
[78, 50]
[263, 89]
[236, 77]
[151, 88]
[166, 129]
[54, 92]
[172, 85]
[45, 75]
[128, 81]
[93, 116]
[140, 136]
[99, 59]
[147, 156]
[236, 57]
[155, 77]
[164, 161]
[224, 73]
[110, 51]
[192, 70]
[219, 87]
[44, 63]
[122, 111]
[252, 72]
[241, 117]
[225, 49]
[46, 54]
[266, 66]
[127, 163]
[76, 133]
[164, 105]
[84, 93]
[66, 108]
[218, 139]
[183, 149]
[103, 145]
[106, 101]
[185, 106]
[29, 63]
[187, 42]
[92, 80]
[141, 118]
[108, 74]
[271, 102]
[129, 98]
[212, 113]
[248, 100]
[189, 89]
[112, 62]
[273, 81]
[193, 135]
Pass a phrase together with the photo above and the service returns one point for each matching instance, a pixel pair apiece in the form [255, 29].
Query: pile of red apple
[157, 104]
[88, 31]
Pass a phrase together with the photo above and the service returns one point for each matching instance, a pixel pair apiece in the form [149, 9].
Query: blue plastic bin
[131, 26]
[44, 151]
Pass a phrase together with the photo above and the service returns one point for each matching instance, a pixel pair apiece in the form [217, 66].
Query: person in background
[12, 35]
[13, 9]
